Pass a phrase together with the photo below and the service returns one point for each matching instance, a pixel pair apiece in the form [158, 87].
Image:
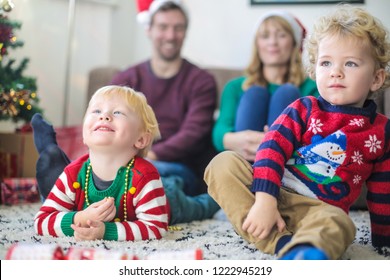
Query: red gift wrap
[21, 251]
[79, 253]
[25, 251]
[19, 190]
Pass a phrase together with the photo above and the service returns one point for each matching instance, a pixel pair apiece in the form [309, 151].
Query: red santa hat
[298, 29]
[147, 8]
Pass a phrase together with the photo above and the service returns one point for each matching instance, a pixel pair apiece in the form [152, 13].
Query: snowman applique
[312, 169]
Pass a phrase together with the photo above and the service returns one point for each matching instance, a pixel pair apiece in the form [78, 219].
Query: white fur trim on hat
[144, 17]
[297, 27]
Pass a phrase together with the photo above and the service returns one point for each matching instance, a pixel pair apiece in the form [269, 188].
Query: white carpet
[215, 237]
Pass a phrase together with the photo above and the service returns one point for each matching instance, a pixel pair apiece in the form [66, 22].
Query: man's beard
[169, 58]
[169, 55]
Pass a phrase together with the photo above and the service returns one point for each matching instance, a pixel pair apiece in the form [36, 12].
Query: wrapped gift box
[18, 155]
[19, 190]
[70, 140]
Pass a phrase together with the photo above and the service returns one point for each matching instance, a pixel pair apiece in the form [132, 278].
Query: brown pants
[229, 177]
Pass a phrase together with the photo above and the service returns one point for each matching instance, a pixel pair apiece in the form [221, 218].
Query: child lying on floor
[113, 193]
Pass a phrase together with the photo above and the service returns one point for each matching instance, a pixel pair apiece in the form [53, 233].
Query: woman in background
[273, 79]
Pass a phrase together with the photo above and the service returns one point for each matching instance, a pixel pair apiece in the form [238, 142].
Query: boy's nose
[336, 73]
[105, 117]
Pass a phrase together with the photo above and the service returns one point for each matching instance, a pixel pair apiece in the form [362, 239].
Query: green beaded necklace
[132, 189]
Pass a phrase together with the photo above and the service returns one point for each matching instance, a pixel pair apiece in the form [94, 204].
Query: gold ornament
[10, 102]
[175, 228]
[7, 5]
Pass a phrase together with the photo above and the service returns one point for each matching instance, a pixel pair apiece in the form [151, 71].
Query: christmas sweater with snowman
[327, 152]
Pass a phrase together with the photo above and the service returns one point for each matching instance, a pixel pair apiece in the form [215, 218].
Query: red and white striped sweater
[147, 207]
[327, 152]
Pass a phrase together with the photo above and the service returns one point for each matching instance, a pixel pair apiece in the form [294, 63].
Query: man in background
[182, 95]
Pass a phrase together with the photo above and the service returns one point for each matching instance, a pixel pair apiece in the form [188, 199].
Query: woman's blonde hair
[137, 102]
[349, 21]
[254, 72]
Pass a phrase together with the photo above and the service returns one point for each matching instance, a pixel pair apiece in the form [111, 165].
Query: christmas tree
[18, 93]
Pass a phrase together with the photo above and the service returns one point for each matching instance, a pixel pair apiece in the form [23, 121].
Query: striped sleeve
[151, 211]
[278, 145]
[56, 209]
[378, 197]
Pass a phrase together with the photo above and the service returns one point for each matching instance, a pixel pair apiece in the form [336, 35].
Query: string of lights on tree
[18, 93]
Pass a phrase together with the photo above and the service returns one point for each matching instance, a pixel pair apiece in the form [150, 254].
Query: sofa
[101, 76]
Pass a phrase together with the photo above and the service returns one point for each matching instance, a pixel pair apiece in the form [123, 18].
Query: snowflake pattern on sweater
[147, 207]
[328, 152]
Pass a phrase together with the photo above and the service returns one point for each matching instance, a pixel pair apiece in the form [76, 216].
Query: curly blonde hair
[137, 102]
[349, 21]
[254, 72]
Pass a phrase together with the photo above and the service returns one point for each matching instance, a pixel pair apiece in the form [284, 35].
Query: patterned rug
[215, 237]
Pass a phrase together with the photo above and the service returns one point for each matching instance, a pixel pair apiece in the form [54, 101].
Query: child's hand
[244, 142]
[94, 230]
[103, 210]
[263, 216]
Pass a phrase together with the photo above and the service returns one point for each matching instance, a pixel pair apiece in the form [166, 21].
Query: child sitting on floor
[311, 165]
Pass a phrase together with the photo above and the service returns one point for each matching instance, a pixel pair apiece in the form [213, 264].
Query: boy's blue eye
[351, 64]
[117, 113]
[325, 63]
[96, 111]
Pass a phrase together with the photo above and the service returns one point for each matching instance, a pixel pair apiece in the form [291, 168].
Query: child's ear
[143, 141]
[379, 79]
